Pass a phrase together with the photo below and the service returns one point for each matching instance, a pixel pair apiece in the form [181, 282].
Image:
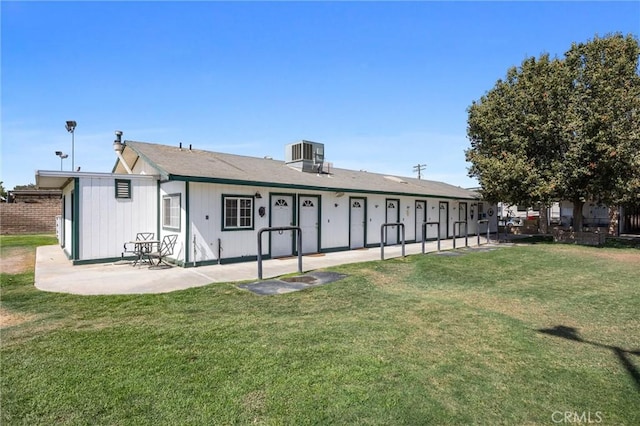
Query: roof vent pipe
[118, 147]
[180, 146]
[189, 147]
[117, 144]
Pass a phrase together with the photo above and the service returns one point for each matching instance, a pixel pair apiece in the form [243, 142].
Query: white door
[281, 215]
[462, 215]
[309, 223]
[393, 216]
[444, 219]
[421, 217]
[356, 220]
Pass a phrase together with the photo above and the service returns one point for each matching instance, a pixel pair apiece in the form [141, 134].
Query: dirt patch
[9, 319]
[18, 260]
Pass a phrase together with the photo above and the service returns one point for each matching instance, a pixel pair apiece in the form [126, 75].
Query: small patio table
[142, 248]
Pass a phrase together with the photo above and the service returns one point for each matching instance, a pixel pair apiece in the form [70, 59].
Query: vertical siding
[106, 223]
[206, 211]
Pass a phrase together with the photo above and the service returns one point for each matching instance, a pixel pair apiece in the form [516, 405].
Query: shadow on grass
[571, 333]
[623, 243]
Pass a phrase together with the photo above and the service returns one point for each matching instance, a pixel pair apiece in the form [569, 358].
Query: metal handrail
[281, 228]
[466, 232]
[478, 229]
[384, 225]
[424, 233]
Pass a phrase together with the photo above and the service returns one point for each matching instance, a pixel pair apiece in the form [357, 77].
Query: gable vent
[123, 188]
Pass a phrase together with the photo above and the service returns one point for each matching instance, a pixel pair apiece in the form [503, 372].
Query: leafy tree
[3, 191]
[558, 129]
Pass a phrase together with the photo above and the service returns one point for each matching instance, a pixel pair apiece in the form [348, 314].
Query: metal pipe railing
[466, 232]
[478, 230]
[424, 233]
[280, 229]
[385, 225]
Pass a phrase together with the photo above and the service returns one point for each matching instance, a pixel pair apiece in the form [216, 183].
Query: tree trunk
[544, 218]
[577, 215]
[614, 218]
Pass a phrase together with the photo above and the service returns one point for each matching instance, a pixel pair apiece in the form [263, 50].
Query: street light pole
[62, 157]
[71, 127]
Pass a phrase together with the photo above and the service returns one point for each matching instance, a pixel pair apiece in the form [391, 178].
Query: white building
[216, 203]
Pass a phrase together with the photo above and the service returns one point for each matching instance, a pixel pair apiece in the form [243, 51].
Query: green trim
[319, 221]
[318, 217]
[386, 219]
[158, 208]
[187, 223]
[223, 207]
[336, 249]
[364, 239]
[415, 216]
[294, 201]
[307, 187]
[447, 221]
[75, 223]
[63, 224]
[102, 260]
[466, 212]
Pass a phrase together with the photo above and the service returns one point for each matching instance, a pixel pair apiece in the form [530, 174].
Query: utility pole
[419, 168]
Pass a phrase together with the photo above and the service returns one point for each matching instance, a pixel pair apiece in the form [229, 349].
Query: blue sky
[384, 85]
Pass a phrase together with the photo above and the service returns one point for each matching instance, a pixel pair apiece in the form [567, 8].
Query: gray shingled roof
[183, 164]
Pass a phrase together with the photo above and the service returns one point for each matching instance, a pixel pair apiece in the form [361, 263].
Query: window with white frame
[171, 211]
[238, 212]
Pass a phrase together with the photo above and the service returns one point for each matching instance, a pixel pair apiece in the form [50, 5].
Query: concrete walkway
[55, 273]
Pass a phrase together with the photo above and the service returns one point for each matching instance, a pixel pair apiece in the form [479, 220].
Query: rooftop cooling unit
[306, 156]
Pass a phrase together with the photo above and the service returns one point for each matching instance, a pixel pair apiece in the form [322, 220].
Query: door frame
[318, 197]
[386, 219]
[446, 209]
[294, 202]
[466, 213]
[364, 220]
[415, 219]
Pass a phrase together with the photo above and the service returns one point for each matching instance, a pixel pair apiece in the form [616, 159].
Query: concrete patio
[55, 273]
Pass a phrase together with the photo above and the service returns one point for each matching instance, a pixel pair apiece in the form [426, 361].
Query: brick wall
[35, 217]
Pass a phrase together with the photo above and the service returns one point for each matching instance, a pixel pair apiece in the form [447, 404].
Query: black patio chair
[165, 249]
[140, 250]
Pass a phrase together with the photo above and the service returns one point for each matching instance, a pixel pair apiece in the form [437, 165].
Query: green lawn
[518, 335]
